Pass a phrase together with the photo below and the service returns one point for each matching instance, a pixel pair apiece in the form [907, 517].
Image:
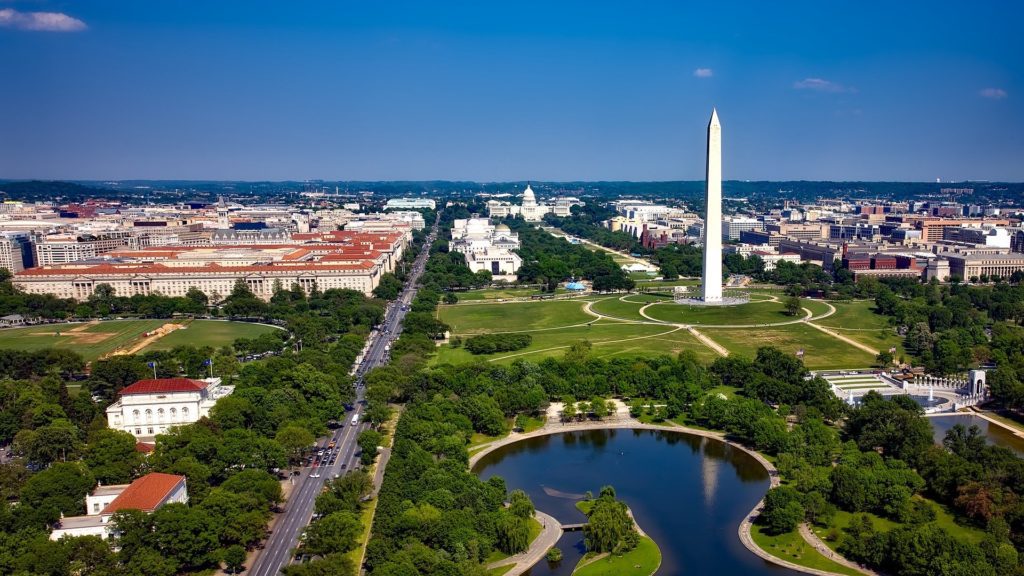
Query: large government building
[339, 259]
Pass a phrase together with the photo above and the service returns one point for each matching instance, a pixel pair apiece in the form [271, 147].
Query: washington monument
[712, 291]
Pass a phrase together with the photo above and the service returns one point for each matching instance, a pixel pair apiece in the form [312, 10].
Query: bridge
[574, 527]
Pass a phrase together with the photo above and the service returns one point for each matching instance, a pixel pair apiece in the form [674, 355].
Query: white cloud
[703, 73]
[40, 21]
[993, 93]
[821, 85]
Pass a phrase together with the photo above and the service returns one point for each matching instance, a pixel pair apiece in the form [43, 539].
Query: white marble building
[150, 407]
[530, 210]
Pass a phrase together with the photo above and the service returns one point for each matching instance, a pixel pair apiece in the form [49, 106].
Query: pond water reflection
[688, 493]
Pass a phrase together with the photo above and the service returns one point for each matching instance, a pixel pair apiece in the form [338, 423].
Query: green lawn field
[609, 339]
[91, 340]
[628, 307]
[643, 560]
[792, 548]
[858, 321]
[764, 312]
[513, 316]
[498, 294]
[821, 351]
[215, 333]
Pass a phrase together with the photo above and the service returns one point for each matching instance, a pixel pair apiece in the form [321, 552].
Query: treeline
[951, 327]
[585, 222]
[491, 343]
[62, 446]
[549, 260]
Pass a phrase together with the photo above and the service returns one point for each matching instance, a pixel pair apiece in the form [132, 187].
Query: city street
[299, 508]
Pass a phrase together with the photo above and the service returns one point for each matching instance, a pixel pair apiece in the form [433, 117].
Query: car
[314, 475]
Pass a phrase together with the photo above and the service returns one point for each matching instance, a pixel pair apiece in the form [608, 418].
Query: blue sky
[492, 91]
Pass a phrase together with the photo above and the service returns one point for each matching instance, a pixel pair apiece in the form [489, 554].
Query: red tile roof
[164, 386]
[146, 493]
[144, 447]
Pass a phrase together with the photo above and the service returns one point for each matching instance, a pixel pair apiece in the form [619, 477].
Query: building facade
[150, 407]
[147, 494]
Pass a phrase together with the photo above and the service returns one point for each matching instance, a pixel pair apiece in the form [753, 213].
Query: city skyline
[574, 92]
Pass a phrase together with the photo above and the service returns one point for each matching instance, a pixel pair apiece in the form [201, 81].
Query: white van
[355, 419]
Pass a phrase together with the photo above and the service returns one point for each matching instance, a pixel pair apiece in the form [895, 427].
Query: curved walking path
[626, 422]
[824, 550]
[809, 319]
[549, 535]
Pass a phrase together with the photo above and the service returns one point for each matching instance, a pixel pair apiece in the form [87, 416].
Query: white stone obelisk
[713, 214]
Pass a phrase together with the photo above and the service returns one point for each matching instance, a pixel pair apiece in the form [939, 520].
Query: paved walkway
[549, 535]
[849, 341]
[722, 351]
[827, 552]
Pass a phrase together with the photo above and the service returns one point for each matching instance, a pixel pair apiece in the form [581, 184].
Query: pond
[687, 492]
[994, 433]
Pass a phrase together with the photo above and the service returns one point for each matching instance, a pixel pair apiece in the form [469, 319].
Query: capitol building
[529, 210]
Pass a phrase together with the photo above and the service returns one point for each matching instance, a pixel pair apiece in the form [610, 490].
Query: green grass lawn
[215, 333]
[821, 351]
[496, 294]
[858, 321]
[666, 283]
[817, 307]
[751, 313]
[640, 561]
[628, 308]
[95, 340]
[89, 340]
[792, 548]
[609, 339]
[531, 423]
[500, 570]
[513, 317]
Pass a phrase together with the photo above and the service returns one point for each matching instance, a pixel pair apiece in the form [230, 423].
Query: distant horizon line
[524, 181]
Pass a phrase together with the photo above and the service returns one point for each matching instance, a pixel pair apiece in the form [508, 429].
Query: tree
[336, 532]
[782, 510]
[569, 409]
[234, 557]
[112, 457]
[60, 489]
[520, 504]
[609, 527]
[513, 533]
[186, 535]
[793, 306]
[295, 440]
[368, 442]
[388, 288]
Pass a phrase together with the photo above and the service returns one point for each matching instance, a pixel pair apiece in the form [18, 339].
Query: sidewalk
[523, 561]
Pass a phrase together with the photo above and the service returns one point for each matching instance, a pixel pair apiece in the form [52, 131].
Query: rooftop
[164, 386]
[146, 493]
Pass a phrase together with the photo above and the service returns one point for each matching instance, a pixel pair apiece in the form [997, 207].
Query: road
[277, 552]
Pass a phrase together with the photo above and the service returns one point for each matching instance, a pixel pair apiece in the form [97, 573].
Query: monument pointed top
[714, 115]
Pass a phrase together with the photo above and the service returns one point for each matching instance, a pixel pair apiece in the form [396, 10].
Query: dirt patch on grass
[78, 334]
[146, 339]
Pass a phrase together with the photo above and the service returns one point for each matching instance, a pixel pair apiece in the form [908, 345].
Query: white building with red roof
[147, 494]
[149, 407]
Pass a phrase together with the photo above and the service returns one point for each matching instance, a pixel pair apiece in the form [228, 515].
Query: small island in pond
[615, 543]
